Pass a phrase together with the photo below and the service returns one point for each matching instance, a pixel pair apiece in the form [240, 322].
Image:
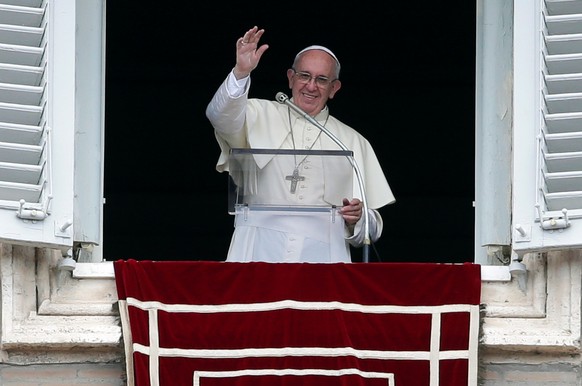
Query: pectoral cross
[294, 178]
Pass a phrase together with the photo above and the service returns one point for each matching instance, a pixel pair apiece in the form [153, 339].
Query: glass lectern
[294, 191]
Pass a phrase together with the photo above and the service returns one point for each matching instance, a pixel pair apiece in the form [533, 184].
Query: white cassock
[294, 236]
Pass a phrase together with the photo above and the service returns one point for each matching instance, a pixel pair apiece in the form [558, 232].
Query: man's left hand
[352, 210]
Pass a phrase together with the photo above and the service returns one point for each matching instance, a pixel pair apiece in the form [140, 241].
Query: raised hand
[248, 52]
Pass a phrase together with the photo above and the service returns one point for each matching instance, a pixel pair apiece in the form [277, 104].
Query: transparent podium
[293, 192]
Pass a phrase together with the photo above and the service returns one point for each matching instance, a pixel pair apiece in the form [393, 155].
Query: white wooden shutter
[51, 122]
[547, 205]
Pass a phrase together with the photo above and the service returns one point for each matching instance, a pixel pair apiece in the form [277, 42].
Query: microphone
[284, 99]
[281, 97]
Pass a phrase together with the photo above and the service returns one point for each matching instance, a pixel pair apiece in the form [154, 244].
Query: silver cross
[294, 178]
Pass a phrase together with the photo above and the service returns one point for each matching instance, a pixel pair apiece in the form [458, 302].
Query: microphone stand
[284, 99]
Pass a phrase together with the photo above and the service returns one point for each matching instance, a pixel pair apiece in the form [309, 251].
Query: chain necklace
[295, 177]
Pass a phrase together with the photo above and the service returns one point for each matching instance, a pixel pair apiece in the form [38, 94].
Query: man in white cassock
[241, 122]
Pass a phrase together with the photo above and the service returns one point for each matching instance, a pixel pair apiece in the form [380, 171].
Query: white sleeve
[226, 110]
[236, 87]
[376, 226]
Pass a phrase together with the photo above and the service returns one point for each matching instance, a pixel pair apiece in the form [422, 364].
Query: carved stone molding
[49, 310]
[543, 317]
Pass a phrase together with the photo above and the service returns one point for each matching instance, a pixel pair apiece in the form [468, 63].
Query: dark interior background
[408, 72]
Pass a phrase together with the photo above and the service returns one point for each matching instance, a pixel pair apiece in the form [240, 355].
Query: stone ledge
[63, 332]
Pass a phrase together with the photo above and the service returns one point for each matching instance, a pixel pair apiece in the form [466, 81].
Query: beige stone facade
[63, 327]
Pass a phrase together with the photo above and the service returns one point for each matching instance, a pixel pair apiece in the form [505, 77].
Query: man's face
[313, 81]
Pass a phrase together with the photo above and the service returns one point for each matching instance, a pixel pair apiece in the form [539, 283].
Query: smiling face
[313, 80]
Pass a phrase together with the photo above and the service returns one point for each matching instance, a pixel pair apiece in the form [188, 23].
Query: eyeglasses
[305, 77]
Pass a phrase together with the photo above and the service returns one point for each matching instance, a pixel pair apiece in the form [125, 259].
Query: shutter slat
[564, 64]
[21, 154]
[25, 174]
[563, 143]
[20, 94]
[562, 162]
[24, 134]
[20, 114]
[24, 3]
[21, 55]
[562, 103]
[17, 15]
[564, 83]
[21, 35]
[564, 44]
[555, 202]
[563, 122]
[562, 7]
[564, 181]
[18, 74]
[15, 191]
